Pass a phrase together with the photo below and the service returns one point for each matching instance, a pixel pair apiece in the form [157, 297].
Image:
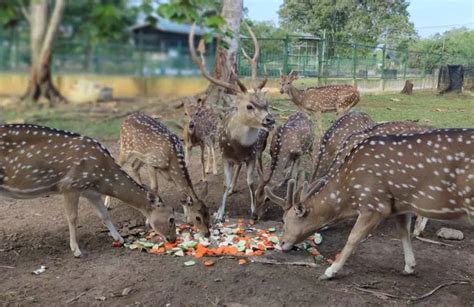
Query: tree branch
[52, 28]
[24, 11]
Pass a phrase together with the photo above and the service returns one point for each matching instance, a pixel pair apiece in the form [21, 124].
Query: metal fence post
[354, 62]
[405, 64]
[383, 61]
[141, 54]
[285, 55]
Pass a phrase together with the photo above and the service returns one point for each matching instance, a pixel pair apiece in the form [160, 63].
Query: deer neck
[296, 95]
[237, 131]
[329, 206]
[123, 187]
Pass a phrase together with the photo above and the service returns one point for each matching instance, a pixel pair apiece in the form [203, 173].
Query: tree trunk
[408, 88]
[42, 38]
[226, 59]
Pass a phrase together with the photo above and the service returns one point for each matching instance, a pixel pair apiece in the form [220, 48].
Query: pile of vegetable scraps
[238, 239]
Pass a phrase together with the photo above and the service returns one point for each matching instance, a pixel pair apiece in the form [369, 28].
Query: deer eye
[198, 219]
[171, 221]
[249, 107]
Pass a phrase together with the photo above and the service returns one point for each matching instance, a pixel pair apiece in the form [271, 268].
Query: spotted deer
[37, 161]
[322, 99]
[334, 137]
[244, 128]
[289, 144]
[398, 127]
[200, 130]
[148, 142]
[435, 179]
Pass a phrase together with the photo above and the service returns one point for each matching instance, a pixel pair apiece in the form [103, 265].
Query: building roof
[172, 27]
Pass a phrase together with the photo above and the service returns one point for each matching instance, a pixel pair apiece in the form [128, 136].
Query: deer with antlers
[148, 142]
[36, 161]
[430, 174]
[289, 144]
[243, 128]
[200, 129]
[346, 125]
[322, 99]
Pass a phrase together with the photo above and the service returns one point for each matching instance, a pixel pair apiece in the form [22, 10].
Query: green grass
[423, 106]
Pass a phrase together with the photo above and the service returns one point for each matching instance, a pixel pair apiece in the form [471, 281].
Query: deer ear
[290, 192]
[294, 75]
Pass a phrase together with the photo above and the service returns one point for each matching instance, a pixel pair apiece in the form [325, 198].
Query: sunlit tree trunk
[42, 38]
[226, 59]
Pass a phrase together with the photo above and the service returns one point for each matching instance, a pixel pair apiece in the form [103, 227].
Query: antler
[254, 61]
[201, 63]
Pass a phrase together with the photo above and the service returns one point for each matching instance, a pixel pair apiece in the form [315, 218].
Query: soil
[35, 233]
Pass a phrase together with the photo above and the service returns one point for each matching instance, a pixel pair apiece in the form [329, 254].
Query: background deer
[323, 99]
[149, 141]
[36, 161]
[240, 131]
[290, 143]
[346, 125]
[200, 130]
[430, 174]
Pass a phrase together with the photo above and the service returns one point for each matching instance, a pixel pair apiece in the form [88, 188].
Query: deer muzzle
[268, 122]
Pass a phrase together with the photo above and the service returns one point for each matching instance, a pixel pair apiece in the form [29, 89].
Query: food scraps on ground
[42, 269]
[238, 240]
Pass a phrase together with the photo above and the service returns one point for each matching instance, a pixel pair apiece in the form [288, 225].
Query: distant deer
[323, 99]
[201, 130]
[434, 179]
[146, 141]
[290, 143]
[346, 125]
[36, 161]
[243, 129]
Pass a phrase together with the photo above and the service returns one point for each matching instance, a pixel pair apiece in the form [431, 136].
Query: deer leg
[250, 183]
[208, 161]
[214, 163]
[228, 189]
[234, 178]
[365, 223]
[187, 153]
[288, 175]
[404, 228]
[71, 201]
[320, 124]
[135, 170]
[203, 167]
[420, 225]
[101, 210]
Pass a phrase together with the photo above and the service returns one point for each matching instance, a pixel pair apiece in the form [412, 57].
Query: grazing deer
[147, 141]
[323, 99]
[36, 161]
[430, 174]
[290, 143]
[200, 130]
[243, 129]
[343, 127]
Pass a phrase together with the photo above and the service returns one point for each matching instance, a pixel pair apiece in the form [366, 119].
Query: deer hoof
[408, 270]
[77, 253]
[324, 277]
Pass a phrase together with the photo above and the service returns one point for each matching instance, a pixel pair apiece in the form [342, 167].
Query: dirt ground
[35, 233]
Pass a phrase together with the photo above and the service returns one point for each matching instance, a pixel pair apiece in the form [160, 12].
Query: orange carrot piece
[242, 261]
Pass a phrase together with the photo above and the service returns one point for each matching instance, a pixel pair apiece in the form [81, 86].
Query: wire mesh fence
[310, 56]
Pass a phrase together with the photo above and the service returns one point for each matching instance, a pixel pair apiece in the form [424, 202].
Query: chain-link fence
[310, 56]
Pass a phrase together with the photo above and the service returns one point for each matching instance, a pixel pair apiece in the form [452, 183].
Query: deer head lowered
[36, 161]
[290, 143]
[322, 99]
[243, 127]
[149, 141]
[430, 174]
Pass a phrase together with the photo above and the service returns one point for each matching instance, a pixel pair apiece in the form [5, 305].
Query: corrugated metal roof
[171, 26]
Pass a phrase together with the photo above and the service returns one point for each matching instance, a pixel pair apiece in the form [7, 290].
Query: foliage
[363, 21]
[453, 47]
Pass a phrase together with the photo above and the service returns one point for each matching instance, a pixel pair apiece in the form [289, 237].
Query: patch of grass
[423, 106]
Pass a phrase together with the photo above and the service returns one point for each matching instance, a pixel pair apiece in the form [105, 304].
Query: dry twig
[433, 241]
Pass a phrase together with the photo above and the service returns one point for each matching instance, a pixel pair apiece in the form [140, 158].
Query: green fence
[310, 56]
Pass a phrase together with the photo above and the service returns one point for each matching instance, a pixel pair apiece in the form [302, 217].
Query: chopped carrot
[242, 261]
[170, 245]
[208, 263]
[258, 253]
[116, 244]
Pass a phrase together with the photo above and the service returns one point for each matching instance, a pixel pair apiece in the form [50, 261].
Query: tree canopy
[362, 21]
